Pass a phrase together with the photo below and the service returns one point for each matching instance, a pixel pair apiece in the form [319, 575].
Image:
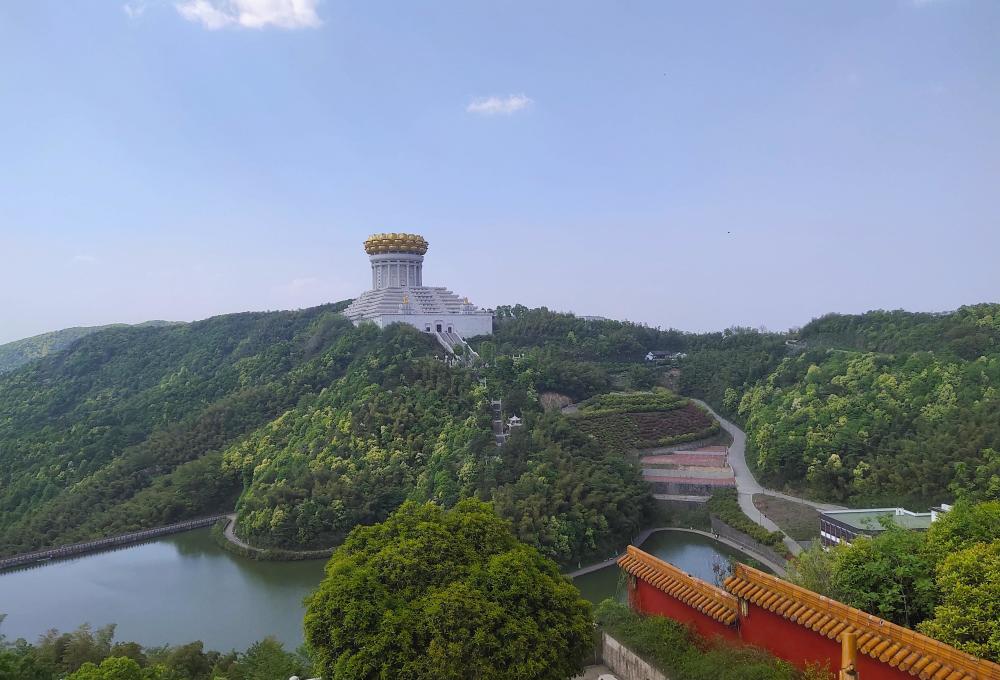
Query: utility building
[398, 294]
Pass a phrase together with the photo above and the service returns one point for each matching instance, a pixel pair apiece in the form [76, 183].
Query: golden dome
[395, 243]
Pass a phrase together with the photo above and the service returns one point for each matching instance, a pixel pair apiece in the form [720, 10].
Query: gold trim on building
[377, 244]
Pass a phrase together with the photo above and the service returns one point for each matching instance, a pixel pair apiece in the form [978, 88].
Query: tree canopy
[944, 582]
[436, 593]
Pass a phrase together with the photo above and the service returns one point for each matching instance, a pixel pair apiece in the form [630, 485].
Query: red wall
[799, 645]
[783, 638]
[652, 600]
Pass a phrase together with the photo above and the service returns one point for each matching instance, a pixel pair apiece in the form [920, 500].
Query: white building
[398, 294]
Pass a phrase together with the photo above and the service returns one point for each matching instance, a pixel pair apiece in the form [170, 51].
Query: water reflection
[184, 587]
[698, 555]
[173, 590]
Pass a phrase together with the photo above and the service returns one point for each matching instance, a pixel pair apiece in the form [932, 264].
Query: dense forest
[306, 424]
[871, 409]
[19, 352]
[310, 426]
[125, 428]
[883, 408]
[402, 427]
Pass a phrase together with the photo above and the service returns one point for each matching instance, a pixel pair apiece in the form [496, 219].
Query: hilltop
[309, 425]
[19, 352]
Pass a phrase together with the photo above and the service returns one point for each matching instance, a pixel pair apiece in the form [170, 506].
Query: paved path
[231, 536]
[778, 569]
[747, 485]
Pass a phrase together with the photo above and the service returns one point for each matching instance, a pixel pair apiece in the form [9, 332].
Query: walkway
[778, 569]
[747, 485]
[230, 534]
[100, 544]
[278, 554]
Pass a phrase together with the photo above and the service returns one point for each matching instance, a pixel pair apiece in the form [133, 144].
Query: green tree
[890, 576]
[445, 594]
[969, 614]
[267, 660]
[111, 668]
[814, 569]
[965, 525]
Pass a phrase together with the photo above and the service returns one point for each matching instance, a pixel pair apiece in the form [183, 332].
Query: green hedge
[683, 655]
[724, 505]
[633, 402]
[709, 431]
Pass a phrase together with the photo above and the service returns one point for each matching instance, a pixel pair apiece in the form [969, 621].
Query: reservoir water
[170, 591]
[698, 555]
[184, 587]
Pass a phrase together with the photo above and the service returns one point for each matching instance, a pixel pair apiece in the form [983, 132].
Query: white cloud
[216, 14]
[87, 259]
[493, 106]
[134, 8]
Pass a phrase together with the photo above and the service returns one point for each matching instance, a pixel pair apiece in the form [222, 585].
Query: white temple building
[398, 294]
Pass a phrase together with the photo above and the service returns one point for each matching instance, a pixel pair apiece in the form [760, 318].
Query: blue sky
[686, 164]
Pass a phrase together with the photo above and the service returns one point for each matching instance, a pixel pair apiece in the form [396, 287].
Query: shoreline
[642, 537]
[224, 535]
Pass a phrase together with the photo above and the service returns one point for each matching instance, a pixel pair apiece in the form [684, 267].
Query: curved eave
[711, 601]
[899, 647]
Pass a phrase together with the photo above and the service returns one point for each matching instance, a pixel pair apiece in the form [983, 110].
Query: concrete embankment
[775, 565]
[105, 543]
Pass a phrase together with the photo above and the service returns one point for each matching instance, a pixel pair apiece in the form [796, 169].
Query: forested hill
[130, 410]
[19, 352]
[305, 423]
[884, 407]
[878, 408]
[967, 333]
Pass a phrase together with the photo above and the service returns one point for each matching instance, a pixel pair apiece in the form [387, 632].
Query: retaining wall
[748, 542]
[624, 663]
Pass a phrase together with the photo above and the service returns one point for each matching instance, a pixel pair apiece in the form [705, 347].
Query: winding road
[747, 485]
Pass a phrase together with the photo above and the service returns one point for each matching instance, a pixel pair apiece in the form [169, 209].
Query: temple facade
[398, 294]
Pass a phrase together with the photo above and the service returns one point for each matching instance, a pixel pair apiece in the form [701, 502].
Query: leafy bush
[632, 402]
[623, 432]
[449, 594]
[683, 655]
[724, 505]
[87, 654]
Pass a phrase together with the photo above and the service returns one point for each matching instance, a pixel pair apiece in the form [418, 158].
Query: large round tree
[434, 593]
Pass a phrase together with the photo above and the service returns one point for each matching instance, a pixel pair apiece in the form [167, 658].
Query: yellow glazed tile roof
[897, 646]
[695, 593]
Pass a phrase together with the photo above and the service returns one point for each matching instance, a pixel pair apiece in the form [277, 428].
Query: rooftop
[870, 519]
[899, 647]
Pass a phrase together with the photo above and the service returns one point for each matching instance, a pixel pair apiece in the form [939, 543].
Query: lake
[173, 590]
[184, 587]
[698, 555]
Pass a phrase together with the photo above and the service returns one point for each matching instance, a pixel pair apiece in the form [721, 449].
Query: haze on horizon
[679, 164]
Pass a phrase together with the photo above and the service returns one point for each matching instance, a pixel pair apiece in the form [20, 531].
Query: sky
[694, 165]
